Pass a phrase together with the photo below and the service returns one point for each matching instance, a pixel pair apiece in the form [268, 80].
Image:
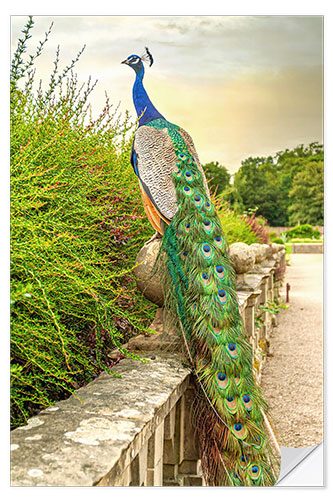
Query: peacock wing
[155, 163]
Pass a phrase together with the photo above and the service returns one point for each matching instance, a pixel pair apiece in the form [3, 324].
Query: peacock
[235, 448]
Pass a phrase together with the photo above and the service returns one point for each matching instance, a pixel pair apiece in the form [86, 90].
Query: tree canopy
[285, 189]
[218, 177]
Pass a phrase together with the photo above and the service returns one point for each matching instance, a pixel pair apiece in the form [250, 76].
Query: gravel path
[292, 380]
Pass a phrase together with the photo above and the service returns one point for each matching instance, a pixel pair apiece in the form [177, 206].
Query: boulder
[268, 250]
[242, 257]
[148, 281]
[259, 251]
[275, 247]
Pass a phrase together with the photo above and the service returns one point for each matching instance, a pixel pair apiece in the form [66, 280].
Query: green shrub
[235, 227]
[278, 240]
[77, 224]
[302, 231]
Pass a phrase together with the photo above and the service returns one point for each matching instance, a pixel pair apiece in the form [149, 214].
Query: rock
[159, 341]
[275, 247]
[259, 252]
[268, 249]
[242, 257]
[149, 283]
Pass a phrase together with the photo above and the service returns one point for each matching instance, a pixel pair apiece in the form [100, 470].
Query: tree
[255, 182]
[217, 176]
[266, 183]
[307, 195]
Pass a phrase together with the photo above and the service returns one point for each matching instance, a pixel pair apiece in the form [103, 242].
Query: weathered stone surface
[269, 251]
[275, 247]
[147, 281]
[78, 441]
[242, 257]
[307, 248]
[259, 252]
[159, 341]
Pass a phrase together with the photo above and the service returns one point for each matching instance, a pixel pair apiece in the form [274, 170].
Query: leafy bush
[259, 227]
[278, 240]
[76, 225]
[236, 227]
[302, 231]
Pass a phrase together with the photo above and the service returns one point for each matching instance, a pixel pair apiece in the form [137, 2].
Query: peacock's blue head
[136, 62]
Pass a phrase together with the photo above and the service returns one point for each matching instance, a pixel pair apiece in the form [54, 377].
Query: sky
[240, 85]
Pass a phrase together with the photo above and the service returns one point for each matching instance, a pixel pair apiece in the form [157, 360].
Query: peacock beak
[124, 62]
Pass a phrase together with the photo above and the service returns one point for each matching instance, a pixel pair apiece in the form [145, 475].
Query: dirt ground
[292, 379]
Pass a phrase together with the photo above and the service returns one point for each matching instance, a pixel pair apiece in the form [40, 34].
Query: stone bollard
[243, 259]
[148, 281]
[259, 251]
[268, 250]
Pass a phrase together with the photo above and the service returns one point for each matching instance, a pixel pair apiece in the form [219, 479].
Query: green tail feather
[200, 291]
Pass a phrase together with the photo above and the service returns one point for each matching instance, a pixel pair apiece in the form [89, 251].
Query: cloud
[240, 85]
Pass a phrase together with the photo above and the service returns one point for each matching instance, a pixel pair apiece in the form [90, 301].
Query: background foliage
[286, 189]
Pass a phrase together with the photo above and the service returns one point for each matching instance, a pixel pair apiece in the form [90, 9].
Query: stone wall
[307, 248]
[137, 430]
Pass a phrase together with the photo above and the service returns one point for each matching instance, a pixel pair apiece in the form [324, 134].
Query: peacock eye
[222, 380]
[220, 271]
[247, 402]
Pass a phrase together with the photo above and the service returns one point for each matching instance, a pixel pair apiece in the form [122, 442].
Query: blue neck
[142, 101]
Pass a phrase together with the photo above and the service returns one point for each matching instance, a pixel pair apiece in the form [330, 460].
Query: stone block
[307, 248]
[147, 280]
[188, 467]
[188, 446]
[242, 257]
[192, 481]
[171, 449]
[259, 252]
